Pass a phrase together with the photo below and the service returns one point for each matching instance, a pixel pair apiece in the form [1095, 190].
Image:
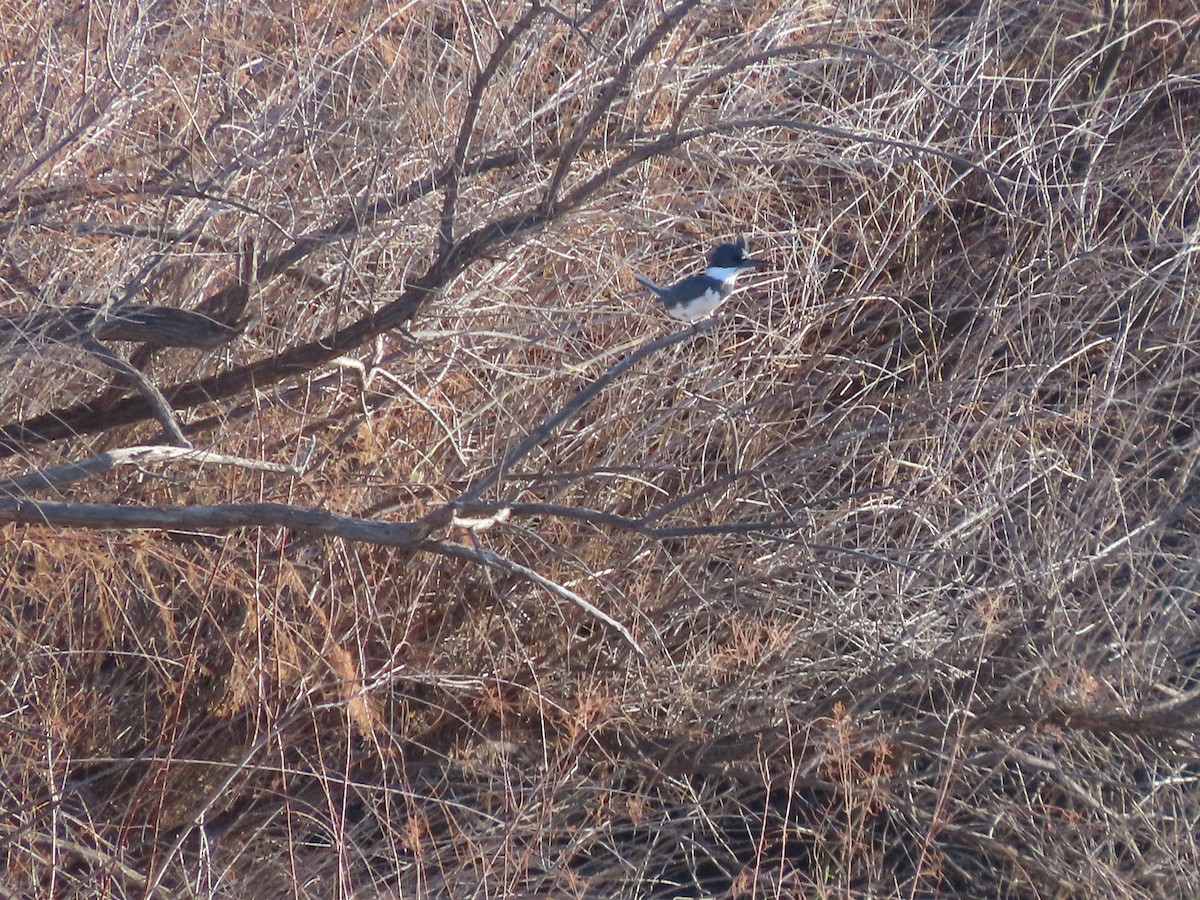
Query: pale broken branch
[141, 456]
[153, 396]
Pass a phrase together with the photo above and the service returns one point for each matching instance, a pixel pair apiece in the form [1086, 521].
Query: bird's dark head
[732, 256]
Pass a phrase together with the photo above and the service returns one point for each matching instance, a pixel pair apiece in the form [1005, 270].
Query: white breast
[699, 307]
[726, 276]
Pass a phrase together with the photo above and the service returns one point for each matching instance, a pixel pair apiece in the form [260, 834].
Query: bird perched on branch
[699, 296]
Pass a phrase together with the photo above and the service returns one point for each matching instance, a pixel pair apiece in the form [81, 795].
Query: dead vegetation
[478, 580]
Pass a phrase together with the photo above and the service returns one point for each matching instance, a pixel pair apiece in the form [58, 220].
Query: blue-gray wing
[689, 288]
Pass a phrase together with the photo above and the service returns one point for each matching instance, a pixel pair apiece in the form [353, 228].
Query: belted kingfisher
[699, 296]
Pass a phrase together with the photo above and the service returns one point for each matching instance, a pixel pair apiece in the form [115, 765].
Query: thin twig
[486, 557]
[772, 529]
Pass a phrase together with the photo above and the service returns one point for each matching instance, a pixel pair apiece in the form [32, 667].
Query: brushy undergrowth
[908, 536]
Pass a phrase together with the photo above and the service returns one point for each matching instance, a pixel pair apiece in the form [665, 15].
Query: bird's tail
[647, 283]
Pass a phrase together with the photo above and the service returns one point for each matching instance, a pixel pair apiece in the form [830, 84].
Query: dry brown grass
[908, 535]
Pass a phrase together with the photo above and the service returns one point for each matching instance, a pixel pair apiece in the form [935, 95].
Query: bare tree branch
[603, 103]
[470, 116]
[223, 518]
[581, 399]
[86, 418]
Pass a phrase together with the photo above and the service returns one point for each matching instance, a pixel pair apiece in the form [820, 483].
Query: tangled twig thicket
[472, 582]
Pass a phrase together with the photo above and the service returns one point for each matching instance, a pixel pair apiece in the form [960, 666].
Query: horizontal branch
[618, 522]
[222, 518]
[1097, 720]
[769, 528]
